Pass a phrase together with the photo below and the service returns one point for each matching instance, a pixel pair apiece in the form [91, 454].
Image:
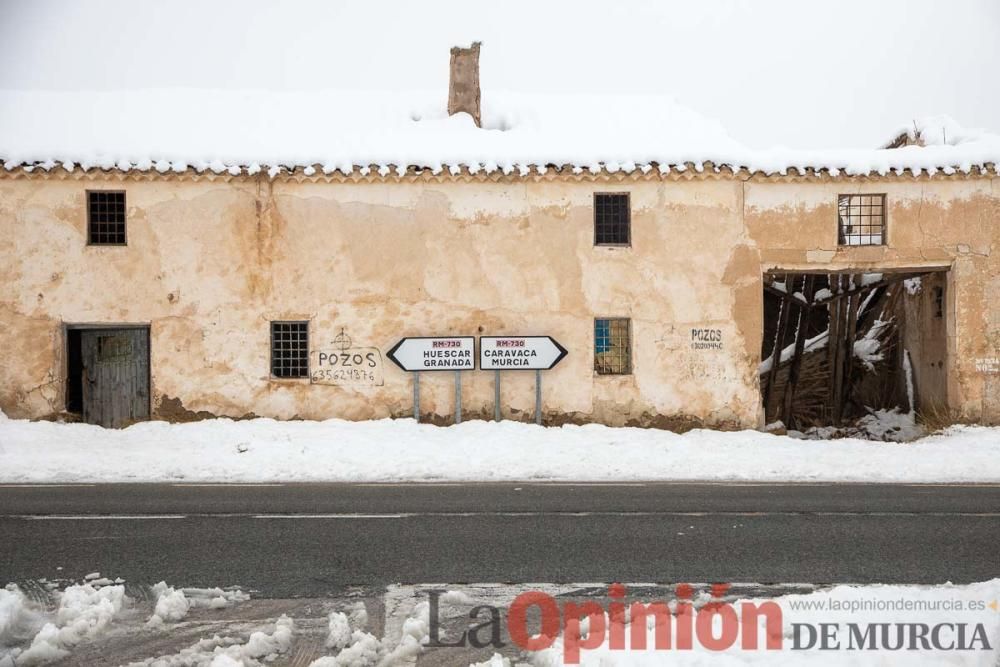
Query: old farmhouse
[243, 254]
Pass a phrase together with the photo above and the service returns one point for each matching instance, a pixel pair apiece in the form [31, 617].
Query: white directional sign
[456, 353]
[519, 353]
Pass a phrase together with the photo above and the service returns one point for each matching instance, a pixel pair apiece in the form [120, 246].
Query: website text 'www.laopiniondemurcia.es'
[715, 625]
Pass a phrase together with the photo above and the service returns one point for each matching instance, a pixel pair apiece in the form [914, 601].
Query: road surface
[314, 540]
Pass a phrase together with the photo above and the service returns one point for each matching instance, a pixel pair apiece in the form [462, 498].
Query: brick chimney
[463, 85]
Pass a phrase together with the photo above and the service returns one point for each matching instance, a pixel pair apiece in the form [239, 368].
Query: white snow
[260, 648]
[868, 349]
[19, 620]
[84, 611]
[171, 605]
[339, 630]
[912, 285]
[401, 450]
[218, 131]
[895, 604]
[817, 342]
[362, 649]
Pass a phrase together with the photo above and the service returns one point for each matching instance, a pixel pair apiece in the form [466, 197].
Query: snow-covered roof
[173, 130]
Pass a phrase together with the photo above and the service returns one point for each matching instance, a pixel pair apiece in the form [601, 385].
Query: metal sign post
[538, 397]
[416, 396]
[519, 353]
[452, 353]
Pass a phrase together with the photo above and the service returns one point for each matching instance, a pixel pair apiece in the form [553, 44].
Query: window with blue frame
[612, 346]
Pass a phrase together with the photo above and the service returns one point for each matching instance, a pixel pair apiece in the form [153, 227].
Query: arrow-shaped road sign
[519, 353]
[454, 353]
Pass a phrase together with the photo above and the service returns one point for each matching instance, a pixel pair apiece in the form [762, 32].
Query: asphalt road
[306, 540]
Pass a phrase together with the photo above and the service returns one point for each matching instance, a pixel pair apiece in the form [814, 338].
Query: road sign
[519, 353]
[454, 353]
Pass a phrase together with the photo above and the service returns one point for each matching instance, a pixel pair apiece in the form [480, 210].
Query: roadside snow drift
[222, 450]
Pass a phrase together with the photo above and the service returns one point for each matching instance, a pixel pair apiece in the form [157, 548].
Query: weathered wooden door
[115, 376]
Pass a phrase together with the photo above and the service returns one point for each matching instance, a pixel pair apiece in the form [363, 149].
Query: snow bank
[338, 130]
[223, 450]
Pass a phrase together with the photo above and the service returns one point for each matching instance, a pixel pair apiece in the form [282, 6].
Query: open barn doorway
[851, 353]
[107, 374]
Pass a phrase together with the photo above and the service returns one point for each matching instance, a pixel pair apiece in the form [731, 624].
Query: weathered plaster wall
[210, 262]
[947, 223]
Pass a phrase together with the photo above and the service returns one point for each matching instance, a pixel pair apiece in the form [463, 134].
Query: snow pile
[171, 605]
[250, 131]
[19, 620]
[174, 604]
[401, 450]
[840, 605]
[339, 630]
[84, 611]
[345, 630]
[885, 425]
[362, 649]
[258, 649]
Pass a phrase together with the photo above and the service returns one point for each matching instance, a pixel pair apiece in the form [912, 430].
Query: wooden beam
[852, 331]
[844, 294]
[779, 344]
[800, 342]
[836, 388]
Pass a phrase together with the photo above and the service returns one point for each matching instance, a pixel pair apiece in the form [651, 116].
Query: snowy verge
[264, 450]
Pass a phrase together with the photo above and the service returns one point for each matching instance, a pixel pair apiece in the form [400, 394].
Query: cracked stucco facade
[211, 260]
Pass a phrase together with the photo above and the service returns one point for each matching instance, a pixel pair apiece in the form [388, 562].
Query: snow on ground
[84, 611]
[261, 647]
[898, 607]
[174, 604]
[32, 634]
[222, 450]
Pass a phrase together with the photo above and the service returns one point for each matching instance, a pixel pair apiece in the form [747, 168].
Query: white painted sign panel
[454, 353]
[519, 353]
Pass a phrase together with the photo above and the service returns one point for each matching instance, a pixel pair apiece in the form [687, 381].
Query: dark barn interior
[852, 344]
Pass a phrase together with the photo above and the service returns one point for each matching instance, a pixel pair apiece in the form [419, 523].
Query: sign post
[538, 397]
[519, 353]
[416, 396]
[447, 353]
[458, 397]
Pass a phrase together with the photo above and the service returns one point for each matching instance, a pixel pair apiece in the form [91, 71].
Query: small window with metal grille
[105, 217]
[290, 349]
[612, 346]
[612, 219]
[861, 219]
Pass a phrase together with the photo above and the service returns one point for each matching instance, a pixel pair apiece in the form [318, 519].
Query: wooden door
[115, 376]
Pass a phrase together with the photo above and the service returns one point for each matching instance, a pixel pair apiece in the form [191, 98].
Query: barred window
[105, 218]
[290, 349]
[861, 219]
[612, 346]
[612, 219]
